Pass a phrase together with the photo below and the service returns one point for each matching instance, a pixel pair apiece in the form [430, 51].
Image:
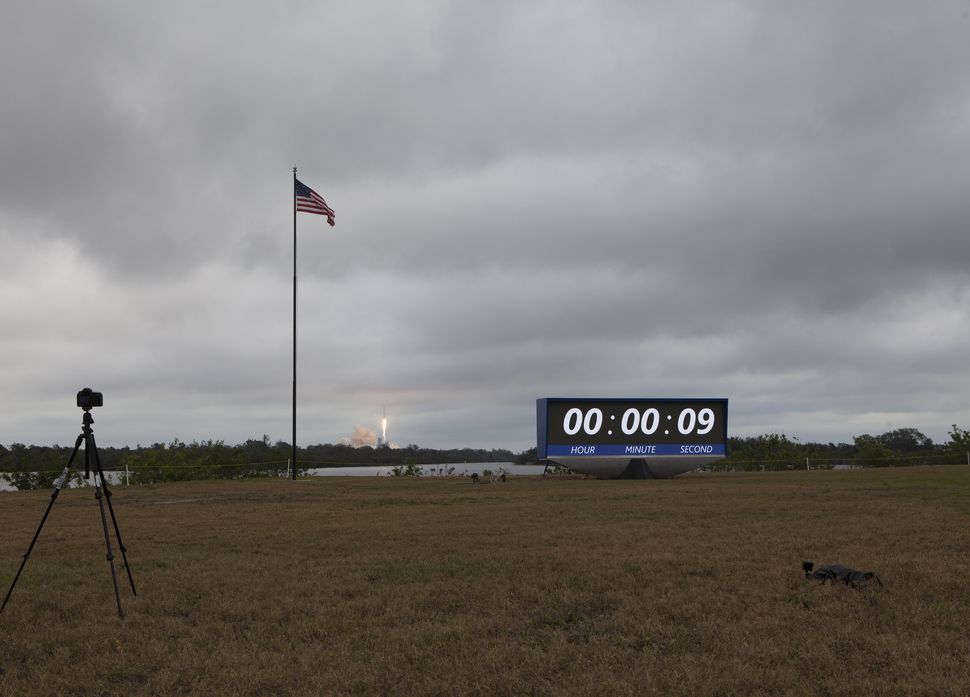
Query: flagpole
[293, 197]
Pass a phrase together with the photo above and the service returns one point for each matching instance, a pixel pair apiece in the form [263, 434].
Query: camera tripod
[92, 465]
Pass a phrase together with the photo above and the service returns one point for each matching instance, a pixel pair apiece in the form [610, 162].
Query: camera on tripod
[88, 398]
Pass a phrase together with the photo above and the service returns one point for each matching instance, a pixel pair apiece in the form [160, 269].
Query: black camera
[88, 398]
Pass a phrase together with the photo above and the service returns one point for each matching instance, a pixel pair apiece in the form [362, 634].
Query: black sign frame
[589, 427]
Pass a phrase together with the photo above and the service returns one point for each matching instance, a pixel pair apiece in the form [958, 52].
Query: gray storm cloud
[752, 200]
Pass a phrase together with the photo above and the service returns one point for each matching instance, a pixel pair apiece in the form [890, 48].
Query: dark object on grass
[475, 477]
[836, 573]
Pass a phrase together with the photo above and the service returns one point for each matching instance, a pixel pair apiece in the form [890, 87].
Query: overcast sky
[764, 201]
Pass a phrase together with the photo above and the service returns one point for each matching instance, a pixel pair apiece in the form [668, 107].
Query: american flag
[309, 201]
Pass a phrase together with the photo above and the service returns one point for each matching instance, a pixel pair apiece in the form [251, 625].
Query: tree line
[899, 447]
[33, 466]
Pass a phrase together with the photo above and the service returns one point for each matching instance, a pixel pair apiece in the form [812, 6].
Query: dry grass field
[374, 586]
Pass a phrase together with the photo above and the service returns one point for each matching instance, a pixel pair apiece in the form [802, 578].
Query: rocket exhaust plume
[361, 437]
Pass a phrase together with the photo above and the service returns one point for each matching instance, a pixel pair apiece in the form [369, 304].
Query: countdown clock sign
[631, 428]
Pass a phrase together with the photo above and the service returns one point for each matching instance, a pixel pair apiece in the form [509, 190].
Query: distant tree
[871, 451]
[959, 440]
[769, 451]
[906, 441]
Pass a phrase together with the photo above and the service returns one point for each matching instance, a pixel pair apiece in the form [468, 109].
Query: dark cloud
[752, 200]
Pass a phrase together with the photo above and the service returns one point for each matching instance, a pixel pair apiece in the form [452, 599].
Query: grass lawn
[439, 586]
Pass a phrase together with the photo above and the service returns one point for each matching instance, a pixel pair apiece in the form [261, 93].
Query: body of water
[463, 469]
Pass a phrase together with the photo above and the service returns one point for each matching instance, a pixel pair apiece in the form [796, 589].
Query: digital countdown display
[631, 428]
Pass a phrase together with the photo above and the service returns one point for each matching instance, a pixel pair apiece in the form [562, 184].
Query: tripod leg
[111, 510]
[104, 526]
[57, 490]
